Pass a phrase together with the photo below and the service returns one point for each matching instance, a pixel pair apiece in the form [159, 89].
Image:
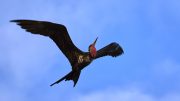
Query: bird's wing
[57, 32]
[113, 49]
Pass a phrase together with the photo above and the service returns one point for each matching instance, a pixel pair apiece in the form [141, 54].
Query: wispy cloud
[129, 94]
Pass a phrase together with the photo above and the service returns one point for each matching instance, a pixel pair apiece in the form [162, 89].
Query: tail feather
[73, 75]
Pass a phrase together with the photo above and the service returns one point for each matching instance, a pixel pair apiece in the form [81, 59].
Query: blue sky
[147, 30]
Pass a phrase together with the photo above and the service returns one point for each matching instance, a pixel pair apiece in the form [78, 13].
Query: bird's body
[77, 58]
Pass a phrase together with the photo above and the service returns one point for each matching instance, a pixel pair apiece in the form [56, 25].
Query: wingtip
[19, 20]
[118, 50]
[13, 21]
[52, 84]
[121, 49]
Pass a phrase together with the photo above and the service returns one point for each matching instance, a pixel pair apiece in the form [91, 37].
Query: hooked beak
[95, 41]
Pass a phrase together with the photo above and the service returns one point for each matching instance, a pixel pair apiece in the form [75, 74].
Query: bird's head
[92, 49]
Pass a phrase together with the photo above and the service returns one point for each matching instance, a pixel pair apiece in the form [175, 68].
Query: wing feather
[113, 49]
[57, 32]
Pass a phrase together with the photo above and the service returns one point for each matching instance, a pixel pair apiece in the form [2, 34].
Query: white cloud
[126, 95]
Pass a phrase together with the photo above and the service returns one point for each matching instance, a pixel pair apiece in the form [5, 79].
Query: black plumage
[77, 58]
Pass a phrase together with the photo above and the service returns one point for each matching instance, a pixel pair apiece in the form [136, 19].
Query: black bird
[77, 58]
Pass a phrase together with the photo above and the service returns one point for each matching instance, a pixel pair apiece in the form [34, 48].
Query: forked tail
[73, 75]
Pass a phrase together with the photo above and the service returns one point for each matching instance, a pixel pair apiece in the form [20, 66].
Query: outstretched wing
[57, 32]
[113, 49]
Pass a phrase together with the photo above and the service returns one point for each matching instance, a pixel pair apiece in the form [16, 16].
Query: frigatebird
[77, 58]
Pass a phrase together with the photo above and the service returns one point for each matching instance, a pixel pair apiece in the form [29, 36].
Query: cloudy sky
[148, 31]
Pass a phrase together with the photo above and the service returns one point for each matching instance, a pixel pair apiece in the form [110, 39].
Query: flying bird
[77, 58]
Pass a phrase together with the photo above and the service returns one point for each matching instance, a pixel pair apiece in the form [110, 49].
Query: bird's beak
[95, 41]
